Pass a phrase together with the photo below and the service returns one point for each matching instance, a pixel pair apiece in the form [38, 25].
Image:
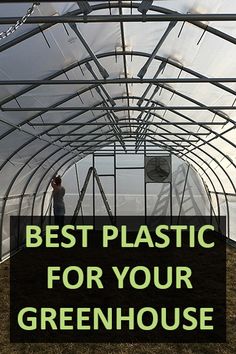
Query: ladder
[83, 191]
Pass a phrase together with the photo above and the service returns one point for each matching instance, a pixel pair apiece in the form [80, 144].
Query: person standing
[58, 200]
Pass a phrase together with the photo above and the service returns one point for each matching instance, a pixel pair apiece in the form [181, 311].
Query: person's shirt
[58, 197]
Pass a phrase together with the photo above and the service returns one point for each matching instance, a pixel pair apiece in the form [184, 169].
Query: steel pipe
[121, 18]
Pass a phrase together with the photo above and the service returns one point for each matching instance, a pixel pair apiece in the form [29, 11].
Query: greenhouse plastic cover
[30, 155]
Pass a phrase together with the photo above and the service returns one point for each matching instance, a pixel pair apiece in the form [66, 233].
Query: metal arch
[85, 124]
[188, 119]
[138, 54]
[208, 156]
[68, 168]
[30, 141]
[224, 171]
[112, 5]
[73, 158]
[217, 178]
[208, 177]
[214, 159]
[185, 117]
[170, 140]
[188, 132]
[48, 185]
[190, 159]
[168, 61]
[73, 66]
[153, 101]
[195, 123]
[212, 185]
[47, 171]
[33, 173]
[200, 167]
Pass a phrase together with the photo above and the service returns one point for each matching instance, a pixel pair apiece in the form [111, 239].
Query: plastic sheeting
[29, 155]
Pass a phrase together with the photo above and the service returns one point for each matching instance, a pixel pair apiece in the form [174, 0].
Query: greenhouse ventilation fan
[158, 169]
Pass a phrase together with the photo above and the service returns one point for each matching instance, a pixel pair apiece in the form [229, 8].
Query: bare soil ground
[227, 348]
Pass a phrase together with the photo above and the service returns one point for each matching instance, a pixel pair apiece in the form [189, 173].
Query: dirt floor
[229, 347]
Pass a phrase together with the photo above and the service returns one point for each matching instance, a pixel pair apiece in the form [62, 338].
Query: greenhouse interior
[132, 103]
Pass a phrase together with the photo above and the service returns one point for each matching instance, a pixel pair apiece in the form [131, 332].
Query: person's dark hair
[57, 180]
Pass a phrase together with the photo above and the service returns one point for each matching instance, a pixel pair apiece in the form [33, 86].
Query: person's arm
[53, 184]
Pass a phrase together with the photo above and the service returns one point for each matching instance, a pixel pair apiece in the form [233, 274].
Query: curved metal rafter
[98, 128]
[95, 119]
[104, 55]
[97, 7]
[74, 116]
[200, 167]
[85, 150]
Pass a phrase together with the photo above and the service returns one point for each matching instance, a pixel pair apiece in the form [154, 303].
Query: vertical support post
[50, 213]
[1, 235]
[78, 186]
[42, 208]
[115, 184]
[211, 208]
[182, 199]
[171, 193]
[94, 206]
[228, 216]
[145, 184]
